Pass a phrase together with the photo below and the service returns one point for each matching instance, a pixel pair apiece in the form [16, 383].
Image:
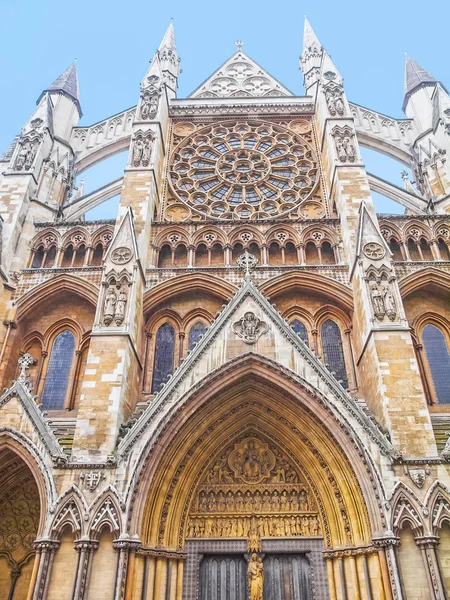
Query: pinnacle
[67, 83]
[309, 37]
[415, 76]
[168, 40]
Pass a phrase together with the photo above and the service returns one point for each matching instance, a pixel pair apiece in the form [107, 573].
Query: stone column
[427, 545]
[125, 567]
[85, 549]
[46, 549]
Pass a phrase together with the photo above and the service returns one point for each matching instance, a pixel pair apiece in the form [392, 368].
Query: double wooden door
[224, 577]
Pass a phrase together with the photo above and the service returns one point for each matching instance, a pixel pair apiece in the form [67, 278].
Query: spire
[168, 40]
[67, 84]
[310, 39]
[415, 77]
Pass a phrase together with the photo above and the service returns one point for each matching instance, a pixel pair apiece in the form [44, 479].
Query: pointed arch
[61, 283]
[68, 514]
[212, 412]
[438, 503]
[406, 508]
[106, 512]
[422, 278]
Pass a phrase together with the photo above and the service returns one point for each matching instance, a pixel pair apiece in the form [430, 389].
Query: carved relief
[92, 479]
[383, 301]
[256, 577]
[374, 251]
[142, 148]
[418, 476]
[250, 328]
[109, 307]
[150, 95]
[334, 98]
[27, 152]
[115, 301]
[121, 256]
[344, 143]
[253, 491]
[24, 362]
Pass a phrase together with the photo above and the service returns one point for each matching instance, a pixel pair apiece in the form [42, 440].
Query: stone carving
[418, 476]
[92, 479]
[150, 98]
[121, 256]
[374, 251]
[253, 491]
[256, 577]
[25, 362]
[334, 99]
[119, 315]
[247, 262]
[27, 152]
[250, 328]
[345, 147]
[377, 300]
[252, 461]
[389, 303]
[142, 149]
[109, 308]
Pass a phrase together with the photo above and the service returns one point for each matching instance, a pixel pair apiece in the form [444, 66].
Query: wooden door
[286, 577]
[223, 578]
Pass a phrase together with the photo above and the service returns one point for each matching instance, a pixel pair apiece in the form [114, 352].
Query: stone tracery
[237, 170]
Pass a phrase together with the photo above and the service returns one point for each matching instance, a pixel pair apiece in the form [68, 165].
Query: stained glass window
[300, 330]
[58, 372]
[197, 330]
[333, 352]
[164, 353]
[438, 361]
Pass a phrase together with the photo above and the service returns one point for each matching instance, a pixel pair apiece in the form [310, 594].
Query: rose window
[241, 171]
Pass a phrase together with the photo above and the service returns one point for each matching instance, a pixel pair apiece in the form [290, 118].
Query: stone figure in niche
[109, 308]
[138, 150]
[349, 149]
[147, 152]
[120, 307]
[26, 155]
[331, 102]
[256, 577]
[342, 154]
[339, 104]
[377, 301]
[389, 303]
[149, 106]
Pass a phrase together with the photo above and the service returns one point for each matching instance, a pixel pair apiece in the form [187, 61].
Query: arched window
[197, 330]
[311, 254]
[426, 250]
[165, 257]
[181, 256]
[51, 255]
[80, 255]
[290, 254]
[217, 255]
[67, 256]
[300, 330]
[438, 360]
[333, 352]
[443, 249]
[327, 254]
[38, 258]
[201, 256]
[413, 250]
[58, 371]
[254, 249]
[395, 249]
[97, 256]
[275, 256]
[164, 354]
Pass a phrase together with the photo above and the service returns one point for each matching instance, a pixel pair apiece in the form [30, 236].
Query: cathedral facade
[239, 388]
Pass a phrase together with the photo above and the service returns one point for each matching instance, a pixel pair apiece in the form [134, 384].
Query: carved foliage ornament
[250, 328]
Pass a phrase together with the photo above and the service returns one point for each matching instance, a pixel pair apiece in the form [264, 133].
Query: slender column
[352, 358]
[58, 257]
[264, 255]
[191, 256]
[341, 568]
[34, 575]
[15, 574]
[123, 585]
[351, 562]
[405, 250]
[159, 592]
[283, 255]
[331, 582]
[227, 255]
[180, 580]
[47, 549]
[51, 558]
[86, 549]
[435, 250]
[148, 337]
[88, 255]
[367, 577]
[427, 546]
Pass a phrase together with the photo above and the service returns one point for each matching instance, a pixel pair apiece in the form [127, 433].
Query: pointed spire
[67, 84]
[310, 39]
[415, 77]
[168, 40]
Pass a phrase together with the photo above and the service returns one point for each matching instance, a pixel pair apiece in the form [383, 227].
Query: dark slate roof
[67, 83]
[415, 76]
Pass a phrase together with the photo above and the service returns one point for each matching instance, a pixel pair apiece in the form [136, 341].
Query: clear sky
[114, 41]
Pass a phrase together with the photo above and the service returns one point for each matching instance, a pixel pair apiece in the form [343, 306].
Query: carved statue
[120, 307]
[339, 104]
[109, 308]
[389, 303]
[138, 150]
[377, 301]
[147, 150]
[331, 102]
[349, 149]
[256, 577]
[250, 328]
[26, 155]
[342, 154]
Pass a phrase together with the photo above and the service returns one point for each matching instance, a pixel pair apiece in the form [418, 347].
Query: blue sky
[114, 41]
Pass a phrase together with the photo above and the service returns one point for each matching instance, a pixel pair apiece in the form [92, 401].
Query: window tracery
[58, 372]
[438, 358]
[164, 356]
[238, 170]
[333, 351]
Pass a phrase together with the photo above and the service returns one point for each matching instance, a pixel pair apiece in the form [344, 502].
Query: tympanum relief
[253, 490]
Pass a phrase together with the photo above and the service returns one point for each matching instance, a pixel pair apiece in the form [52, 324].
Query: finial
[247, 261]
[239, 45]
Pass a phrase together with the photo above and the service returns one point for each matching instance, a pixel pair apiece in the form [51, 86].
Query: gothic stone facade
[246, 374]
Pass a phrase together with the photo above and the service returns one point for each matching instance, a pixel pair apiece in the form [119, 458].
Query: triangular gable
[35, 417]
[124, 237]
[240, 76]
[369, 232]
[224, 341]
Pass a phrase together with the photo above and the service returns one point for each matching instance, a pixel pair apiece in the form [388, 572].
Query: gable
[240, 76]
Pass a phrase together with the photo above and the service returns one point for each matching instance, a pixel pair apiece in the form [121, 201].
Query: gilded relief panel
[253, 490]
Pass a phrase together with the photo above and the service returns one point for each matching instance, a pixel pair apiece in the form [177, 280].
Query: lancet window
[438, 358]
[333, 352]
[300, 330]
[164, 356]
[58, 372]
[196, 332]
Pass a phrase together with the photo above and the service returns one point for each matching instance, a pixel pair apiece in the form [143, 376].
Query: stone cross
[25, 361]
[247, 261]
[239, 45]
